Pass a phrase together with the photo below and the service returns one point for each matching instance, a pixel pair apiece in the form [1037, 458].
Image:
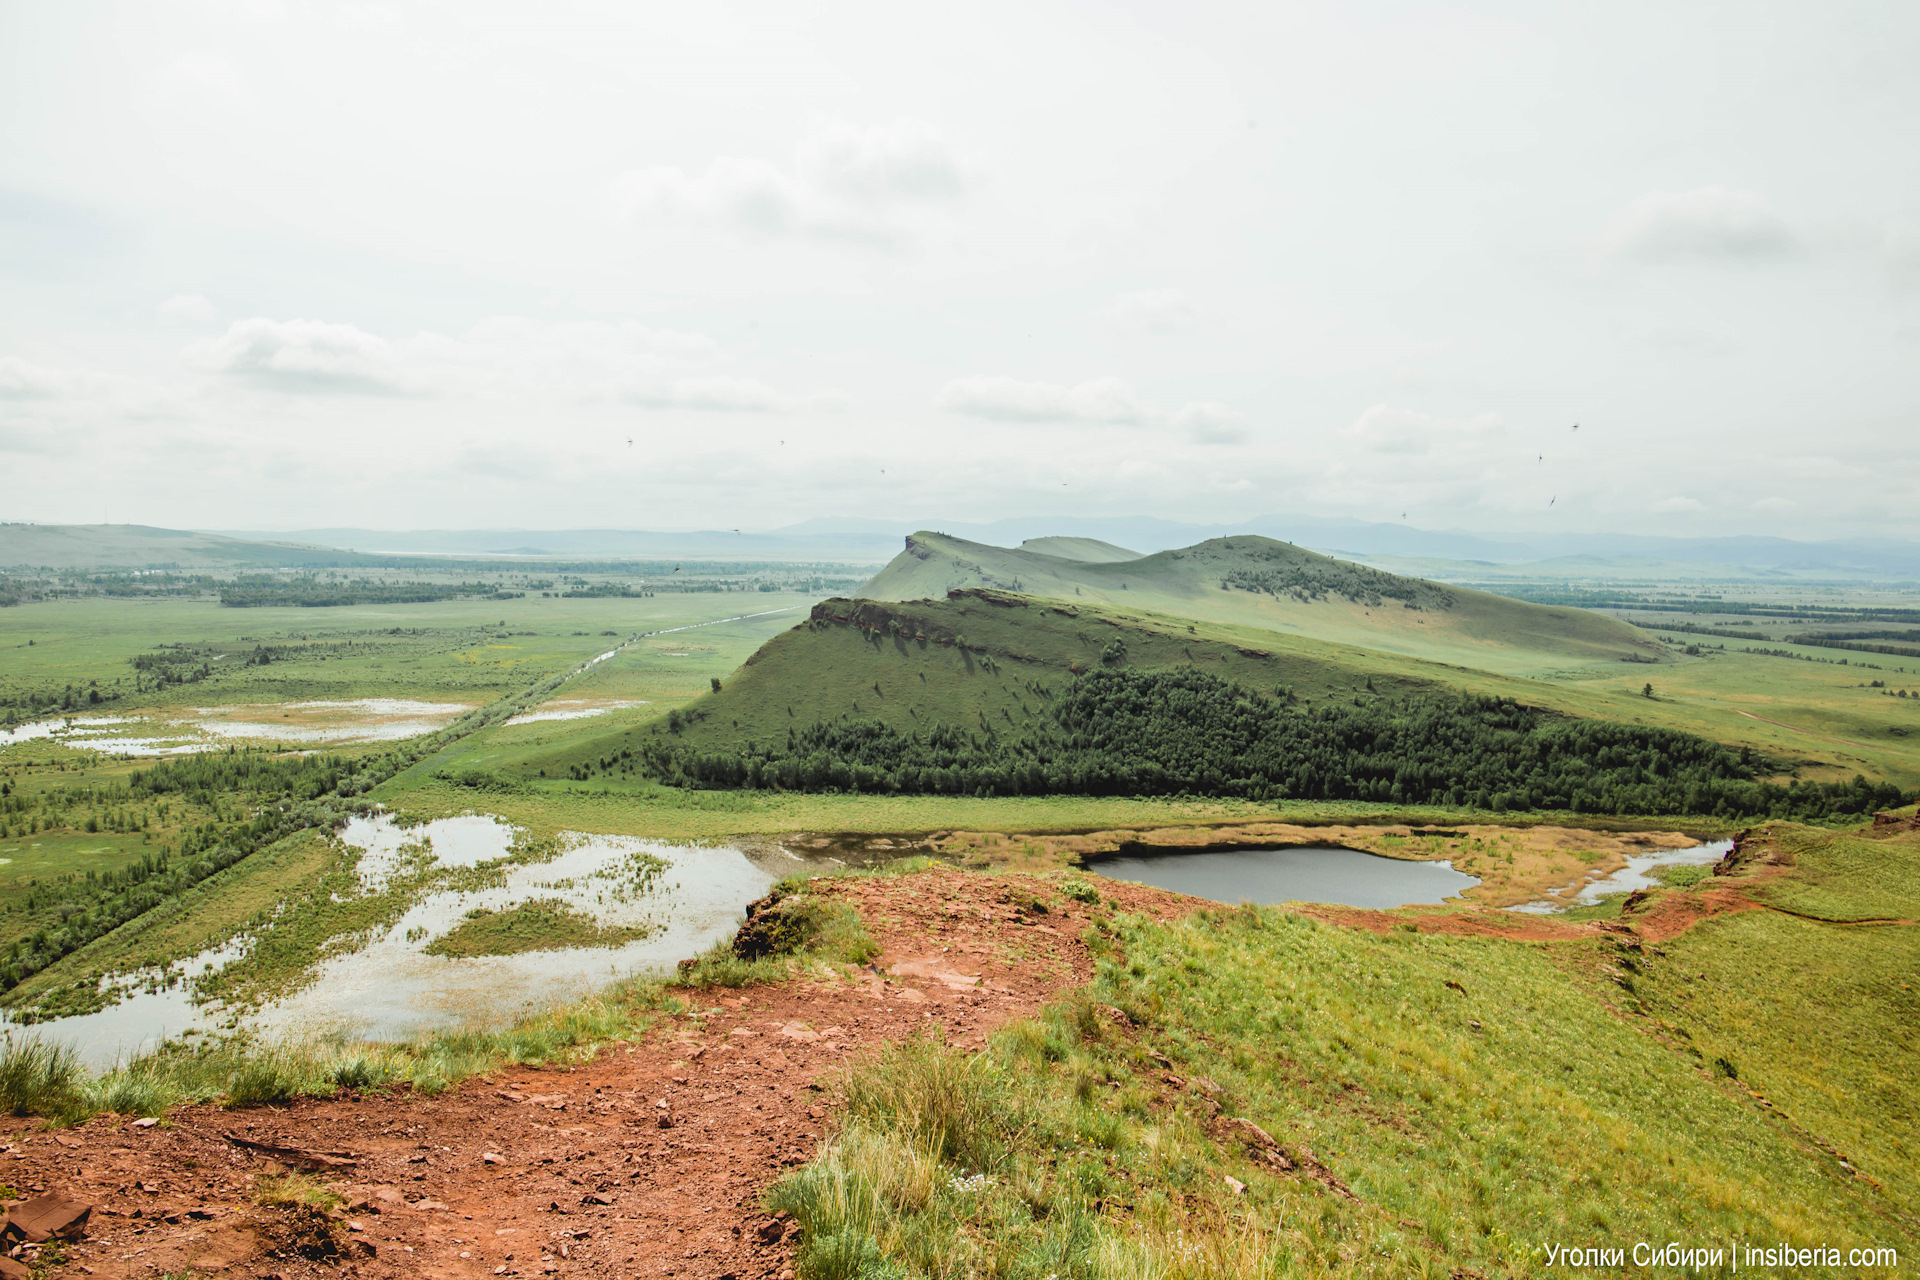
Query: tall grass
[38, 1077]
[1472, 1127]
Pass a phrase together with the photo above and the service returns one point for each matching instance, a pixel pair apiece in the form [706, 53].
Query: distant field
[451, 647]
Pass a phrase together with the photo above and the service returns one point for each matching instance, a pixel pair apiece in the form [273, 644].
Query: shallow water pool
[1301, 873]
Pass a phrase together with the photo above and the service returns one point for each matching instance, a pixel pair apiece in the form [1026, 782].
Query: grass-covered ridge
[1406, 1104]
[1258, 582]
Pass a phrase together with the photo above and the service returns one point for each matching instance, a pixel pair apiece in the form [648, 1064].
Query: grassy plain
[443, 649]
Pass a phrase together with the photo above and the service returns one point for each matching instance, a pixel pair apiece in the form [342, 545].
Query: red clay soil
[1670, 914]
[1478, 922]
[649, 1161]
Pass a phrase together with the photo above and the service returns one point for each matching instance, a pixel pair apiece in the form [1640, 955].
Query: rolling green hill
[91, 547]
[977, 656]
[995, 692]
[1088, 550]
[1258, 582]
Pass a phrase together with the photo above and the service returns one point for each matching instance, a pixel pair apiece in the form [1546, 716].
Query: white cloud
[1707, 222]
[504, 357]
[303, 355]
[21, 380]
[1210, 422]
[1011, 400]
[1679, 504]
[1156, 312]
[1385, 429]
[905, 160]
[845, 183]
[188, 307]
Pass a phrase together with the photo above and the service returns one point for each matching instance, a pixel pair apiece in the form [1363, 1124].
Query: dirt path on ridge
[649, 1161]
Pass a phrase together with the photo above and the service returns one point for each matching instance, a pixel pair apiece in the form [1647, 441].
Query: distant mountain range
[867, 540]
[1447, 554]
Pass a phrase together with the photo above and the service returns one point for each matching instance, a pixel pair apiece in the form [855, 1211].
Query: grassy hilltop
[1030, 683]
[1258, 582]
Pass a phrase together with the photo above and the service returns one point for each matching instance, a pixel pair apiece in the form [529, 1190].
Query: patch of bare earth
[649, 1161]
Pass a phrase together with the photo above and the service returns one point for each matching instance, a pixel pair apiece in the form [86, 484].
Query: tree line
[1185, 732]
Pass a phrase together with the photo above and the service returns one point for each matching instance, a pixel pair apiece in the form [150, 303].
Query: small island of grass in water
[543, 924]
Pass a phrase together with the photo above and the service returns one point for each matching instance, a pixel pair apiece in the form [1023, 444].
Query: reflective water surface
[385, 987]
[1302, 873]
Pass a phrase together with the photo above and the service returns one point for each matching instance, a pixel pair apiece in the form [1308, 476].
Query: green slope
[903, 663]
[1258, 582]
[1089, 550]
[90, 547]
[977, 655]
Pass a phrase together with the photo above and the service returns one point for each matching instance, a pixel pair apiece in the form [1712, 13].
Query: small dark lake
[1310, 873]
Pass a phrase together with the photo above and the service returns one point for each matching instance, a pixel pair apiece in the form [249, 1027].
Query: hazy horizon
[291, 265]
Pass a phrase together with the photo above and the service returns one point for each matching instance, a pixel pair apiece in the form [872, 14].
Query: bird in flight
[676, 568]
[1576, 426]
[629, 442]
[1543, 457]
[1555, 498]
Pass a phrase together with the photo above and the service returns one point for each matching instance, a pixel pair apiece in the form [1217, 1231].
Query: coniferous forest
[1116, 732]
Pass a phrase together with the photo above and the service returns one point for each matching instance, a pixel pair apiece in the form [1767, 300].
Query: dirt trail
[649, 1161]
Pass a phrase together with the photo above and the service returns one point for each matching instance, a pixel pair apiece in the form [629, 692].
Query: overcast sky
[277, 263]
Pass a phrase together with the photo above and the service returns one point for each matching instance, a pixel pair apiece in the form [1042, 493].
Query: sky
[277, 264]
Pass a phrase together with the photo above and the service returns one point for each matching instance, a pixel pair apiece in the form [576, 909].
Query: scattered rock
[1251, 1133]
[493, 1157]
[53, 1216]
[312, 1161]
[1236, 1186]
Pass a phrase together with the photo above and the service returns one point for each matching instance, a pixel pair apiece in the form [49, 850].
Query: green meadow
[1253, 1092]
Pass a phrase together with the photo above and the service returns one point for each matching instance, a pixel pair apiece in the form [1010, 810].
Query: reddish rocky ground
[649, 1161]
[652, 1160]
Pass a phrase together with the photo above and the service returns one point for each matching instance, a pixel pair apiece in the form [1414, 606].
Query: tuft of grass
[271, 1078]
[802, 929]
[38, 1077]
[292, 1191]
[1682, 877]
